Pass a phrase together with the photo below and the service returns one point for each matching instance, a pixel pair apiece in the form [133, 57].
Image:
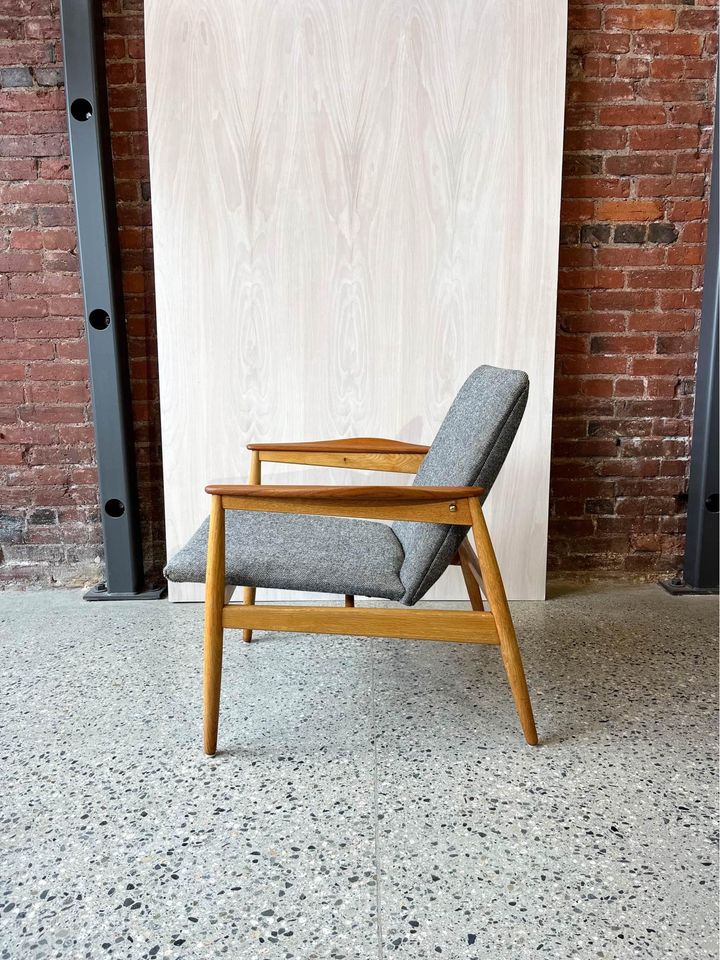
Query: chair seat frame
[448, 505]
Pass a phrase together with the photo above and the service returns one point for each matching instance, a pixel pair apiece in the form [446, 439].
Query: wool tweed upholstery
[362, 557]
[287, 551]
[468, 451]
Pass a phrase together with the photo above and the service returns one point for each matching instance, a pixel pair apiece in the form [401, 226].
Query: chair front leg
[249, 592]
[500, 610]
[213, 647]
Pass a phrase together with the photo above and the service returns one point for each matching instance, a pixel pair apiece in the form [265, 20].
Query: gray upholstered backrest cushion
[469, 449]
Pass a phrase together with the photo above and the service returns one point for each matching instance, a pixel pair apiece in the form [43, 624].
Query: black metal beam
[86, 98]
[702, 543]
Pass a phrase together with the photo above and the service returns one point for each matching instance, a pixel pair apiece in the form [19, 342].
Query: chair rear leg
[248, 593]
[213, 646]
[466, 557]
[509, 649]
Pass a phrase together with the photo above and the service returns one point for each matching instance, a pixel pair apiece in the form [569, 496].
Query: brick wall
[637, 142]
[49, 520]
[635, 204]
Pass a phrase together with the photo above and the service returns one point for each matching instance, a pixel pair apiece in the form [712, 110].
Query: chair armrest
[351, 445]
[345, 494]
[447, 505]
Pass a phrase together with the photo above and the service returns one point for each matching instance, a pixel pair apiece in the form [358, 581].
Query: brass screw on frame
[453, 508]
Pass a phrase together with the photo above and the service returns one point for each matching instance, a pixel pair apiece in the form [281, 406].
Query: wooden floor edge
[453, 626]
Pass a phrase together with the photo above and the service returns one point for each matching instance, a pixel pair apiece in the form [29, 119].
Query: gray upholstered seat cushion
[469, 449]
[291, 552]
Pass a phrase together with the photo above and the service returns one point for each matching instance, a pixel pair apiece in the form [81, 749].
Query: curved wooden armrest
[351, 445]
[346, 494]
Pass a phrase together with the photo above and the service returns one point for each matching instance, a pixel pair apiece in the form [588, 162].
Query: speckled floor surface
[373, 798]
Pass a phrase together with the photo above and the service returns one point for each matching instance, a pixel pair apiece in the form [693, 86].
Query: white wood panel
[354, 204]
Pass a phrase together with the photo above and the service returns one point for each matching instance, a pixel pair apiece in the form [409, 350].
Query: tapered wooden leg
[349, 600]
[509, 649]
[468, 565]
[249, 592]
[213, 650]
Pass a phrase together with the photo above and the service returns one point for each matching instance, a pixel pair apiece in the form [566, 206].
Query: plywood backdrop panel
[354, 204]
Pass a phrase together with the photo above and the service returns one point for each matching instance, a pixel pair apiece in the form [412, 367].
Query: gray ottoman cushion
[291, 552]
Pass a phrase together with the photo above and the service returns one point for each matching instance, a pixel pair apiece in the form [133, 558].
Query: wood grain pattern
[248, 593]
[348, 445]
[385, 462]
[345, 494]
[354, 204]
[455, 626]
[448, 511]
[471, 575]
[500, 611]
[213, 640]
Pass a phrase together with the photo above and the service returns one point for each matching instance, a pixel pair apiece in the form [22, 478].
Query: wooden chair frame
[448, 505]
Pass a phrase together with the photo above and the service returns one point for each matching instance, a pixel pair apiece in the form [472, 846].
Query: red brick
[628, 388]
[689, 256]
[661, 322]
[591, 279]
[700, 69]
[669, 44]
[634, 68]
[655, 366]
[667, 68]
[24, 101]
[637, 18]
[627, 166]
[693, 233]
[26, 240]
[25, 52]
[622, 299]
[684, 113]
[629, 211]
[576, 256]
[593, 365]
[688, 210]
[597, 91]
[670, 186]
[630, 115]
[623, 345]
[673, 91]
[55, 168]
[665, 138]
[20, 262]
[576, 211]
[65, 306]
[596, 138]
[25, 307]
[35, 192]
[56, 370]
[624, 255]
[48, 328]
[595, 187]
[698, 20]
[20, 169]
[12, 371]
[594, 323]
[656, 279]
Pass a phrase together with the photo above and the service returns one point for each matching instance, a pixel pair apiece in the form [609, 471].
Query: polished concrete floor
[372, 798]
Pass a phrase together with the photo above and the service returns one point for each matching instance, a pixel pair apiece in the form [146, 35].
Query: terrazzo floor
[372, 798]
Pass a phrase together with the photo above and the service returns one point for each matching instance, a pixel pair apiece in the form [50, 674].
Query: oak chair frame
[447, 505]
